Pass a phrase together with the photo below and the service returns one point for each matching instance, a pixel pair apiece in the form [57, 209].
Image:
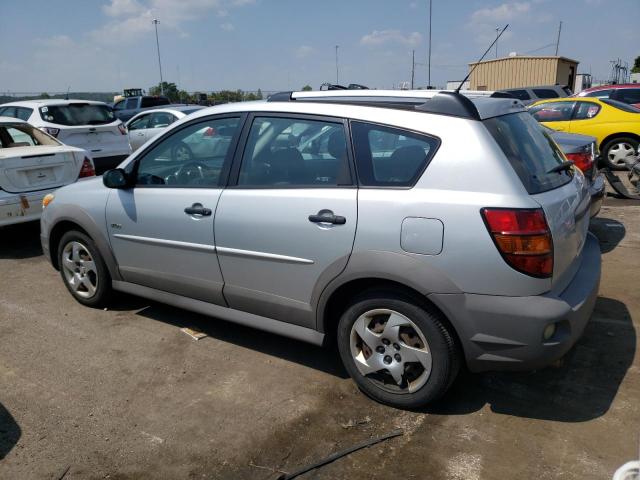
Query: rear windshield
[153, 102]
[530, 150]
[620, 105]
[77, 114]
[23, 135]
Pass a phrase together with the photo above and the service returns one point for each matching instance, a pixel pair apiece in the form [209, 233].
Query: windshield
[530, 150]
[23, 135]
[78, 114]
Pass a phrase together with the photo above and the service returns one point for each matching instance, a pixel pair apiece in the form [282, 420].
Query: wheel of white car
[83, 270]
[617, 152]
[398, 352]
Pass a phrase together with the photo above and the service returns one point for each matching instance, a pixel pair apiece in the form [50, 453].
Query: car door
[161, 229]
[138, 129]
[555, 115]
[285, 225]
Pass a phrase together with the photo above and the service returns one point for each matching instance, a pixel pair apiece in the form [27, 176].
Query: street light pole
[155, 23]
[429, 56]
[337, 71]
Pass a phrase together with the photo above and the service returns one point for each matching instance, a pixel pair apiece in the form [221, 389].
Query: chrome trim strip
[167, 243]
[262, 255]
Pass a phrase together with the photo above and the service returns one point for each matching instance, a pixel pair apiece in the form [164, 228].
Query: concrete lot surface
[124, 394]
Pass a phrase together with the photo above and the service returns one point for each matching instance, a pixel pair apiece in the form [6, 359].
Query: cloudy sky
[107, 45]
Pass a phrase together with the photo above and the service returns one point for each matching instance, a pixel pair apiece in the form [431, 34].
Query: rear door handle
[197, 209]
[327, 216]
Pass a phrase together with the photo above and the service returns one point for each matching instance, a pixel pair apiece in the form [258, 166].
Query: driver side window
[191, 157]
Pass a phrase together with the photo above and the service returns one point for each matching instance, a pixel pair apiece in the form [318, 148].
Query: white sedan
[149, 123]
[33, 164]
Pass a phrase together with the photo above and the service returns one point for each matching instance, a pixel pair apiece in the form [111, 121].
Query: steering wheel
[187, 172]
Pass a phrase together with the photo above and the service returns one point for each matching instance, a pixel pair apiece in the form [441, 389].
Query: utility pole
[429, 55]
[497, 35]
[558, 41]
[155, 23]
[337, 72]
[413, 67]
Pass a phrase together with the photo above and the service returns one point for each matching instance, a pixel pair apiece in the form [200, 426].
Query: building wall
[513, 72]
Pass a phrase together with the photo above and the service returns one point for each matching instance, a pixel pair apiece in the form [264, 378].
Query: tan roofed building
[522, 71]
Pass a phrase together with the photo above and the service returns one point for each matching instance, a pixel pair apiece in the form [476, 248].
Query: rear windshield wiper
[564, 166]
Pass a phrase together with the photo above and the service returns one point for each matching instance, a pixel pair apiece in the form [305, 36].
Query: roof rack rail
[471, 104]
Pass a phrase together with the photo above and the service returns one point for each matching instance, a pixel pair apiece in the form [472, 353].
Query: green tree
[307, 88]
[169, 89]
[45, 95]
[636, 66]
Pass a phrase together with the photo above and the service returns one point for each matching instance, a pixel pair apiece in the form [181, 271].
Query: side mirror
[116, 178]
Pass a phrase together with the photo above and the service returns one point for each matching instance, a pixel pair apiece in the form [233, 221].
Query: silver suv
[419, 230]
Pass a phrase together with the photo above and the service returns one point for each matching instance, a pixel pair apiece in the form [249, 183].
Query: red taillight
[209, 132]
[123, 129]
[523, 238]
[87, 169]
[584, 161]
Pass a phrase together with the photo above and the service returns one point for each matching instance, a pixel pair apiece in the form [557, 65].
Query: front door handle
[327, 216]
[197, 209]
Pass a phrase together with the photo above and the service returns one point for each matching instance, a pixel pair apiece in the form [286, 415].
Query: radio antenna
[481, 58]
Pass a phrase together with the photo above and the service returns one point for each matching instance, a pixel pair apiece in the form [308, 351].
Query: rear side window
[77, 114]
[586, 110]
[545, 93]
[530, 151]
[520, 94]
[23, 135]
[390, 157]
[131, 104]
[23, 113]
[153, 102]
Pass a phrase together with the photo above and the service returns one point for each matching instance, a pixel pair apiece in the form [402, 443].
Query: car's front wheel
[398, 352]
[83, 270]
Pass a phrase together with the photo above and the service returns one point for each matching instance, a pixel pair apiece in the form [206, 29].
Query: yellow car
[616, 125]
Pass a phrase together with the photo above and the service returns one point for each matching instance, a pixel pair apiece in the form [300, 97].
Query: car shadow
[10, 432]
[323, 359]
[579, 388]
[608, 231]
[20, 241]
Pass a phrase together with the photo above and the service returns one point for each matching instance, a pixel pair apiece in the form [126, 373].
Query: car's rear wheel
[398, 352]
[83, 270]
[617, 151]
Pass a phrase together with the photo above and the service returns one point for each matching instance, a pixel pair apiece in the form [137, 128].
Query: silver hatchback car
[419, 230]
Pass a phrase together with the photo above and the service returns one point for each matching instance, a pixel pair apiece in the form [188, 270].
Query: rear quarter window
[545, 93]
[390, 157]
[530, 151]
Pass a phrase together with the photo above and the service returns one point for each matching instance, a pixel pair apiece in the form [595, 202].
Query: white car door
[138, 129]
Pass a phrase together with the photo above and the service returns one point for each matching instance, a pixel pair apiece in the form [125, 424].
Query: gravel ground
[124, 394]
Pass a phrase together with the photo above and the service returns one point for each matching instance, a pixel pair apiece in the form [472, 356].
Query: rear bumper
[12, 208]
[506, 333]
[597, 190]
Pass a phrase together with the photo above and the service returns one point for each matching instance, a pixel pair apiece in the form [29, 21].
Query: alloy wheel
[619, 152]
[391, 351]
[79, 269]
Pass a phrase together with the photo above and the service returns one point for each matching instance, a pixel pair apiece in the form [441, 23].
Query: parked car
[625, 93]
[413, 257]
[149, 123]
[528, 95]
[616, 125]
[130, 106]
[582, 150]
[89, 125]
[32, 165]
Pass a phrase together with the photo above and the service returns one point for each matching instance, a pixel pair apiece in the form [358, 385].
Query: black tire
[445, 355]
[614, 143]
[103, 290]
